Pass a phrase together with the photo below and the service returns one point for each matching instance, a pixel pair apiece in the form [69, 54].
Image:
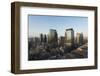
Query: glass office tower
[79, 38]
[69, 38]
[53, 37]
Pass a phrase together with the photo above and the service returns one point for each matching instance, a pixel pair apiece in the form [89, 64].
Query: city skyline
[51, 47]
[42, 24]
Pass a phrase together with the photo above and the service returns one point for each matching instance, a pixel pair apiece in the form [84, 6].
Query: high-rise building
[61, 41]
[45, 38]
[53, 37]
[79, 38]
[41, 37]
[69, 38]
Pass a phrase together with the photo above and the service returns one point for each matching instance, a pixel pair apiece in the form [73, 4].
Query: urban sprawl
[50, 46]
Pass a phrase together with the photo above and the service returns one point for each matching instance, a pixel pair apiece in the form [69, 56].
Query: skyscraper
[79, 38]
[53, 37]
[69, 38]
[45, 38]
[61, 41]
[41, 37]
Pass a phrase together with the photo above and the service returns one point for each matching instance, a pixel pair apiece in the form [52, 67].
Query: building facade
[61, 41]
[69, 38]
[41, 37]
[45, 38]
[53, 37]
[79, 38]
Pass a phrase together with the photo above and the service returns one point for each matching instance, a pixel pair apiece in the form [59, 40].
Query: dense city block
[50, 46]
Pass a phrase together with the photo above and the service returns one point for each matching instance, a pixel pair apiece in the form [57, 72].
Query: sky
[42, 24]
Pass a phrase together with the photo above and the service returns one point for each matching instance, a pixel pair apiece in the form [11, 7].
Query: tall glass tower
[53, 36]
[79, 38]
[69, 38]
